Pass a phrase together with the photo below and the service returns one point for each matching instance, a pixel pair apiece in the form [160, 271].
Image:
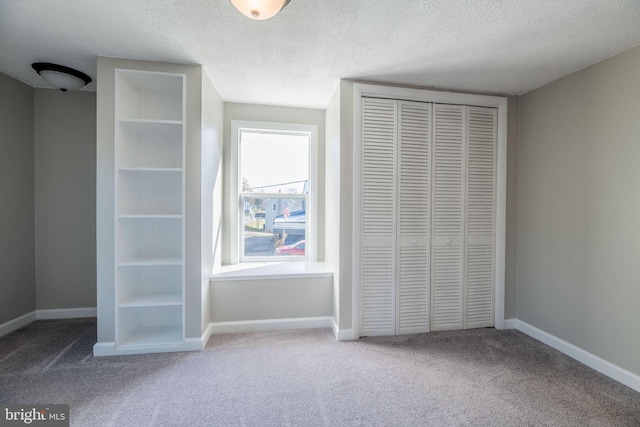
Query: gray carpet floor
[478, 377]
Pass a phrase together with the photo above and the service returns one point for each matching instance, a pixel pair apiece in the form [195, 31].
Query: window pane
[274, 172]
[274, 233]
[274, 163]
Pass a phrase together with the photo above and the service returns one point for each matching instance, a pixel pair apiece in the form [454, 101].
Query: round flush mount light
[260, 9]
[61, 77]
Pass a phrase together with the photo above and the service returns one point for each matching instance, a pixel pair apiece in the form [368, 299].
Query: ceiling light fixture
[260, 9]
[61, 77]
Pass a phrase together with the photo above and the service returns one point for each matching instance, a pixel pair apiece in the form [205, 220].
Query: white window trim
[312, 200]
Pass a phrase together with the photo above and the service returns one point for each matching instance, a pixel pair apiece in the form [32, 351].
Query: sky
[269, 159]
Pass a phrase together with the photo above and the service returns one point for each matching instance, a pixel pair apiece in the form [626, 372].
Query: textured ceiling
[297, 58]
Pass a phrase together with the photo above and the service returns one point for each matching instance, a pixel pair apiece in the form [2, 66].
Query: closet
[427, 216]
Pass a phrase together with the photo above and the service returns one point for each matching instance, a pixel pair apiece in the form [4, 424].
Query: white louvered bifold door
[448, 218]
[480, 216]
[378, 216]
[428, 182]
[414, 135]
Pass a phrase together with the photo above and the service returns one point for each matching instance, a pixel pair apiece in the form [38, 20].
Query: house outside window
[276, 186]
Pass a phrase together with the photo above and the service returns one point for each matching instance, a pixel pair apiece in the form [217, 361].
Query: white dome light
[61, 77]
[260, 9]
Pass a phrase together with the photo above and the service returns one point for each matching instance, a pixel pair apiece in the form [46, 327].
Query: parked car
[294, 249]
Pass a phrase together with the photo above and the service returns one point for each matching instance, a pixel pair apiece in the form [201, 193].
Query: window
[276, 190]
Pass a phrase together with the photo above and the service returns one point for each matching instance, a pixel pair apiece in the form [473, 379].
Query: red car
[294, 249]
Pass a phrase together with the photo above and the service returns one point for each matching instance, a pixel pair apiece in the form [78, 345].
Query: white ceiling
[296, 59]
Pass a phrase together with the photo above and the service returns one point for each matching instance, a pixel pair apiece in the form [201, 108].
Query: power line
[277, 185]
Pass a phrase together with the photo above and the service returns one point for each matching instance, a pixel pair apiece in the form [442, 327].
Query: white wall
[268, 113]
[339, 209]
[269, 299]
[346, 205]
[245, 300]
[332, 197]
[65, 194]
[105, 247]
[194, 189]
[17, 230]
[578, 246]
[211, 190]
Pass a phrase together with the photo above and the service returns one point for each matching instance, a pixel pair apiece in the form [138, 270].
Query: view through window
[274, 193]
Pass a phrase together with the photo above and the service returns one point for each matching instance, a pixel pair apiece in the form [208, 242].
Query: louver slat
[413, 275]
[412, 296]
[446, 281]
[378, 216]
[377, 291]
[479, 309]
[480, 219]
[446, 292]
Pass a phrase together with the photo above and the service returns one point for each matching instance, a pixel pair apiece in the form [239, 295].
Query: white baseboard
[17, 323]
[270, 325]
[510, 323]
[341, 334]
[197, 344]
[104, 349]
[66, 313]
[607, 368]
[110, 349]
[58, 313]
[334, 328]
[189, 344]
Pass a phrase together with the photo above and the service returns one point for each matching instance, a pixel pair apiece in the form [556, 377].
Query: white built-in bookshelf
[149, 210]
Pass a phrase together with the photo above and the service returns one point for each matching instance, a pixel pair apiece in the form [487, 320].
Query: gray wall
[268, 113]
[17, 235]
[578, 246]
[65, 194]
[512, 194]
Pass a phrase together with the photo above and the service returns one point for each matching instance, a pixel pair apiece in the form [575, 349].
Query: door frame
[361, 90]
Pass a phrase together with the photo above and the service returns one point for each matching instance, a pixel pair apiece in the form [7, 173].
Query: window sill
[270, 270]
